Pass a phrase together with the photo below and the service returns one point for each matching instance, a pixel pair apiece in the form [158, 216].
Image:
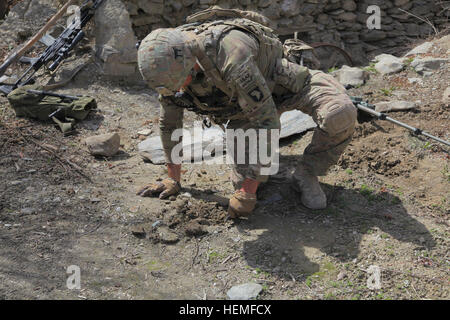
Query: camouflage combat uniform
[244, 73]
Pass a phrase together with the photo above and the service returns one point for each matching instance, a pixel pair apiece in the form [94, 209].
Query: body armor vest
[209, 94]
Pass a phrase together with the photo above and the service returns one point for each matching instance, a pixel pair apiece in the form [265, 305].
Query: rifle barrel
[383, 116]
[52, 94]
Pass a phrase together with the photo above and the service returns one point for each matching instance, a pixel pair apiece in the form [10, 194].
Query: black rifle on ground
[370, 108]
[52, 94]
[59, 49]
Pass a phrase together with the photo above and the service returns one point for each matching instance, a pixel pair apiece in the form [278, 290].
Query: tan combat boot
[312, 195]
[241, 204]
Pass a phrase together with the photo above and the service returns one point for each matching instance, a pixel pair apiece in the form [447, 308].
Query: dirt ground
[59, 206]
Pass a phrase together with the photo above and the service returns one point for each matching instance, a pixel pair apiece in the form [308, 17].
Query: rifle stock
[19, 53]
[58, 50]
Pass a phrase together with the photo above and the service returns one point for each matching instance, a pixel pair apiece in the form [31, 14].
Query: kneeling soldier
[234, 71]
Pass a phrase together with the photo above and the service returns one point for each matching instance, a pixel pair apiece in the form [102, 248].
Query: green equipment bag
[40, 106]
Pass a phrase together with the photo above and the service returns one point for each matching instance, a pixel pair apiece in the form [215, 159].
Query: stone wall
[119, 24]
[341, 22]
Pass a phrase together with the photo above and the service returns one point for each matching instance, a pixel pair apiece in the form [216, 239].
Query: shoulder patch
[256, 94]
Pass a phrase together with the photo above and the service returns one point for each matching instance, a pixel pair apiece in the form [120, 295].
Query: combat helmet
[165, 60]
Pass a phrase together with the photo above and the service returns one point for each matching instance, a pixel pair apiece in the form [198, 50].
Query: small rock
[194, 228]
[415, 80]
[350, 76]
[388, 64]
[145, 132]
[245, 291]
[167, 236]
[394, 106]
[138, 231]
[341, 275]
[27, 210]
[156, 223]
[186, 195]
[426, 66]
[3, 79]
[133, 209]
[103, 145]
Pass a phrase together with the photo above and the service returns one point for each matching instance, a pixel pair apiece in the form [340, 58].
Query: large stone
[151, 6]
[443, 43]
[388, 64]
[347, 16]
[103, 145]
[115, 39]
[351, 76]
[272, 11]
[349, 5]
[290, 8]
[422, 49]
[245, 291]
[292, 122]
[426, 66]
[323, 19]
[167, 236]
[373, 35]
[264, 3]
[394, 105]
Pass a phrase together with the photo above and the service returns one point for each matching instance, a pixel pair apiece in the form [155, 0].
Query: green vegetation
[330, 70]
[371, 68]
[366, 190]
[408, 61]
[330, 296]
[387, 91]
[426, 145]
[213, 256]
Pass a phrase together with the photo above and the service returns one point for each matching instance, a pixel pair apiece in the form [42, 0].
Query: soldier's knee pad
[339, 118]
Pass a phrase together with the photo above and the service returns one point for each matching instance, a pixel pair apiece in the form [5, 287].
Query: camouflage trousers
[326, 101]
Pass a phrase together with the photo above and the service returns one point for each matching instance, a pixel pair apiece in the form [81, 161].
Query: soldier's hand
[164, 189]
